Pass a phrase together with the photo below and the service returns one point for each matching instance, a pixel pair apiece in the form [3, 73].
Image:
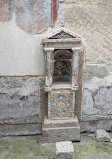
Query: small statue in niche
[62, 69]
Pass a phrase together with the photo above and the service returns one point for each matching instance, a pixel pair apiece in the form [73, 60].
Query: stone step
[51, 135]
[51, 123]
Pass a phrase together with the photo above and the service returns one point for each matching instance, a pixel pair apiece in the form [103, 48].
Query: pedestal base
[61, 130]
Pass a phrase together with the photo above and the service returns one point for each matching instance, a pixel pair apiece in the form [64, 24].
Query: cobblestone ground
[32, 148]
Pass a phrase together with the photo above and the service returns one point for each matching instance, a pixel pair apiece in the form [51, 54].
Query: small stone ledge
[34, 119]
[22, 129]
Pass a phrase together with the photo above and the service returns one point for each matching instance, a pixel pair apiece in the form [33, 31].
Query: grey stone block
[111, 140]
[19, 99]
[97, 101]
[64, 150]
[21, 129]
[51, 135]
[51, 123]
[102, 135]
[61, 130]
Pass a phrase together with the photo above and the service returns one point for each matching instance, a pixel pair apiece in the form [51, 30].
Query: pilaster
[75, 66]
[49, 65]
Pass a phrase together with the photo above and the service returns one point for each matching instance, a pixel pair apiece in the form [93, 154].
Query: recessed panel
[61, 104]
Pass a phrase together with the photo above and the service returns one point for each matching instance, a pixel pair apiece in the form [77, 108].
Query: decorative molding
[73, 38]
[46, 49]
[76, 49]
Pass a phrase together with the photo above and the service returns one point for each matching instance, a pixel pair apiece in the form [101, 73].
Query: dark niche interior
[62, 65]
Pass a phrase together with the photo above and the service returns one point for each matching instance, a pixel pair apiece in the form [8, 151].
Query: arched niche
[62, 65]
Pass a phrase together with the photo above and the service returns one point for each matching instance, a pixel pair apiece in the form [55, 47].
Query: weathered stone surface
[33, 16]
[22, 120]
[97, 101]
[6, 10]
[92, 126]
[21, 53]
[64, 150]
[19, 99]
[43, 99]
[97, 70]
[79, 93]
[61, 134]
[50, 123]
[97, 156]
[20, 129]
[102, 135]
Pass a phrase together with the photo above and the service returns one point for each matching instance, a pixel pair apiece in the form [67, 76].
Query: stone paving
[30, 147]
[99, 156]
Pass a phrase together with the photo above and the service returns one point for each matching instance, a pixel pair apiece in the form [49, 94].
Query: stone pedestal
[61, 130]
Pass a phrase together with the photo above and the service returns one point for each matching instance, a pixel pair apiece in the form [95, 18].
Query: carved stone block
[64, 150]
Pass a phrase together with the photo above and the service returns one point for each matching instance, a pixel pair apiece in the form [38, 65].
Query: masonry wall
[23, 24]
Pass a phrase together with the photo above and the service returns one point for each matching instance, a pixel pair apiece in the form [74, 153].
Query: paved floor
[99, 156]
[30, 147]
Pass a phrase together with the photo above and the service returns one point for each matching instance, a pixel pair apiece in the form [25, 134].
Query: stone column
[49, 65]
[75, 66]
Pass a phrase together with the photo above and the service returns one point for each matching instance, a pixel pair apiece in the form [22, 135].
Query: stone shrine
[62, 55]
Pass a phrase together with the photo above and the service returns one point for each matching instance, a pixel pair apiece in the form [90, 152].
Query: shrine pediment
[61, 35]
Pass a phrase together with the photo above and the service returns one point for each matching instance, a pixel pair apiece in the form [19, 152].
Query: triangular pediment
[61, 33]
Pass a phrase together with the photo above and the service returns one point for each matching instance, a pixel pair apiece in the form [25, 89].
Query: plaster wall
[20, 53]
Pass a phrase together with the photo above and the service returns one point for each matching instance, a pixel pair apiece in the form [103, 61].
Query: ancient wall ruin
[23, 24]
